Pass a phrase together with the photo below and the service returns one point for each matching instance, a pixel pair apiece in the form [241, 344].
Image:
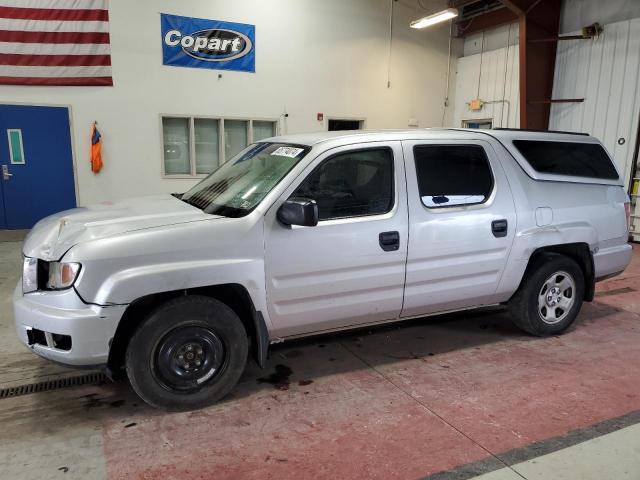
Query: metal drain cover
[55, 384]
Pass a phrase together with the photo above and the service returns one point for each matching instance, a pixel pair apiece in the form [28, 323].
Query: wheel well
[578, 252]
[233, 295]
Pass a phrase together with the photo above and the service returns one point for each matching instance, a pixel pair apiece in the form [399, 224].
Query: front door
[349, 269]
[463, 223]
[36, 164]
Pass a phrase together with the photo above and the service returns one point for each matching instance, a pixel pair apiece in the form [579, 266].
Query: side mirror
[299, 211]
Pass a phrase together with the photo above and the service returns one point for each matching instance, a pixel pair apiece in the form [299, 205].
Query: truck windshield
[241, 183]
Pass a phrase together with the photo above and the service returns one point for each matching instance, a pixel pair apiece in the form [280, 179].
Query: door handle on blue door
[5, 173]
[389, 241]
[499, 228]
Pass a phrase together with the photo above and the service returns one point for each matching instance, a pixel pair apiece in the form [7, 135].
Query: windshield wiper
[193, 204]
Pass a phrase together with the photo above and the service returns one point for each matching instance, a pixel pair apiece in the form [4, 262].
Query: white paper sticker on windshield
[287, 151]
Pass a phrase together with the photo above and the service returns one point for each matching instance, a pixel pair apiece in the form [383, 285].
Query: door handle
[5, 173]
[499, 228]
[389, 241]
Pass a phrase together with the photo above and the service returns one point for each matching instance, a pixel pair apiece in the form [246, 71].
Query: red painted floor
[352, 424]
[401, 402]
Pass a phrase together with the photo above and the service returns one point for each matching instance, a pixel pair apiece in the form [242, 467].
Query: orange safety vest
[96, 150]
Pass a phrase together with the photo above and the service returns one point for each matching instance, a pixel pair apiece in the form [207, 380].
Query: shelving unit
[635, 204]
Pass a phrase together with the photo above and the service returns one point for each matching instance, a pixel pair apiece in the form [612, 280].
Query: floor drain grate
[54, 384]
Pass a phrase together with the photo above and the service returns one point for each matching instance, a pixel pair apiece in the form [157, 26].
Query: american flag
[54, 42]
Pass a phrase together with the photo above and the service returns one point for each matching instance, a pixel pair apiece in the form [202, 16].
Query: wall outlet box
[413, 122]
[475, 105]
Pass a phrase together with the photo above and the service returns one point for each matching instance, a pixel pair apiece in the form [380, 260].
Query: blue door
[36, 164]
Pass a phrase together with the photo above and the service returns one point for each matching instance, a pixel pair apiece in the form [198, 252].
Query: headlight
[29, 275]
[62, 275]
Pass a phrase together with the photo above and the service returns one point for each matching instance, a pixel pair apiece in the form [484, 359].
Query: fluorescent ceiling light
[442, 16]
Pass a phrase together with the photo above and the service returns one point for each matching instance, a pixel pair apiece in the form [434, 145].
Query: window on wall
[196, 146]
[206, 132]
[336, 124]
[236, 134]
[262, 130]
[177, 154]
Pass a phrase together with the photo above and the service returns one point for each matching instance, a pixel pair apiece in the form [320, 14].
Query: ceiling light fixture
[442, 16]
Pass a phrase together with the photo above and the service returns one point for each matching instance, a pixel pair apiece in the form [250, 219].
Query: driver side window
[351, 184]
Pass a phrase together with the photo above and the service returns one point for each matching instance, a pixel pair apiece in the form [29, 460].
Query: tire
[189, 353]
[550, 297]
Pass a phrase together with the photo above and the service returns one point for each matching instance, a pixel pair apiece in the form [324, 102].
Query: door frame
[71, 136]
[500, 191]
[399, 208]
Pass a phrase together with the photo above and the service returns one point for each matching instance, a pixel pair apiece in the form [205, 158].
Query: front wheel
[189, 353]
[550, 297]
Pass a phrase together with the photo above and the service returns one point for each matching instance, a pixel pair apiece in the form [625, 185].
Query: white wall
[491, 76]
[606, 73]
[313, 56]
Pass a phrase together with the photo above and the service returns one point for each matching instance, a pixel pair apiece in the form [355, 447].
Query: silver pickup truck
[304, 234]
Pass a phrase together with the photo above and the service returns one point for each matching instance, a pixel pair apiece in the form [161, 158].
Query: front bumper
[41, 317]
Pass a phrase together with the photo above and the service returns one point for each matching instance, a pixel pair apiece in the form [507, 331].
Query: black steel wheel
[188, 357]
[187, 354]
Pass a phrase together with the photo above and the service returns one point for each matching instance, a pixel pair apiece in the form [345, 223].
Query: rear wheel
[189, 353]
[550, 297]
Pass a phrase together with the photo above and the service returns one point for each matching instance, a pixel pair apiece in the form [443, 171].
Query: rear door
[461, 225]
[349, 269]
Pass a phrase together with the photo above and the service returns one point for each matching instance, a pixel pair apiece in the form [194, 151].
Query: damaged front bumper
[60, 327]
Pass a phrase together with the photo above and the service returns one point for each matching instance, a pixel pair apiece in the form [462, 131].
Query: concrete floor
[450, 397]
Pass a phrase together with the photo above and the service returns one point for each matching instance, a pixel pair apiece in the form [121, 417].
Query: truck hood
[51, 237]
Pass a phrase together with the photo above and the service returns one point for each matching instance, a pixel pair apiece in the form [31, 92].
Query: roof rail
[540, 131]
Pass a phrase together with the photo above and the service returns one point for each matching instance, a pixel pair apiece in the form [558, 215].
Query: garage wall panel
[496, 73]
[606, 73]
[578, 13]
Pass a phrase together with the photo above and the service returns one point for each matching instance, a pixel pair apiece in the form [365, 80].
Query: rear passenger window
[351, 184]
[452, 175]
[567, 158]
